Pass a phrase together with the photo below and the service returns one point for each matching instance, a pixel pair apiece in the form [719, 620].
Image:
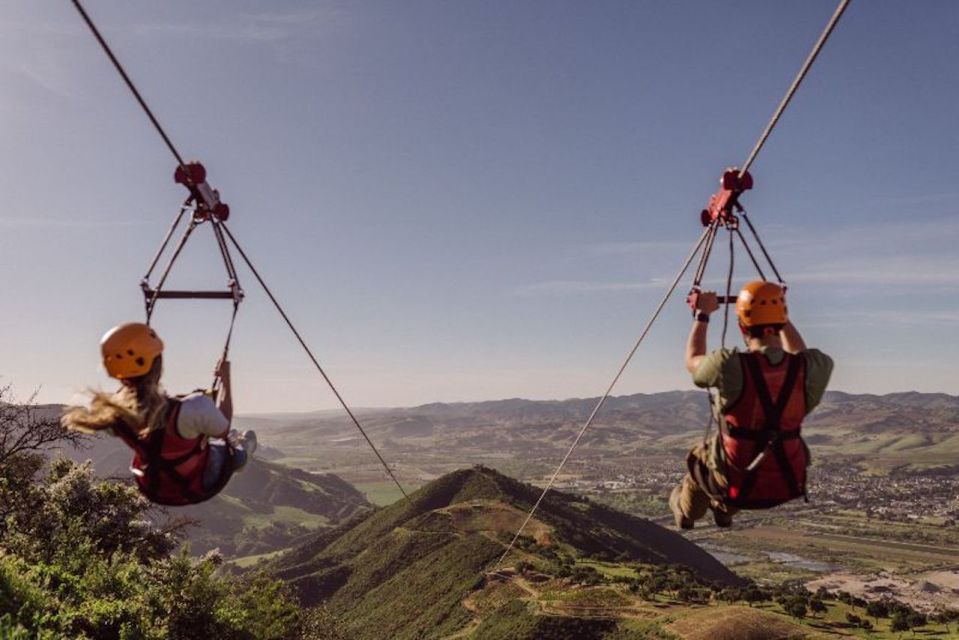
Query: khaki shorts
[702, 488]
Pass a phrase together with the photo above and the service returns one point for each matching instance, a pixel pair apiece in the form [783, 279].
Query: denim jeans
[219, 456]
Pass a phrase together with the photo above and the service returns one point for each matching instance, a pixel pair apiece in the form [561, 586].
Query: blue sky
[465, 201]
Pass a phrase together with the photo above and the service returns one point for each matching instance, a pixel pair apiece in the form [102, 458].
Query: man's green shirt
[721, 370]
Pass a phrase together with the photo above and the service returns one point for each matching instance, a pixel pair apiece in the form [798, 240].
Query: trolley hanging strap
[204, 206]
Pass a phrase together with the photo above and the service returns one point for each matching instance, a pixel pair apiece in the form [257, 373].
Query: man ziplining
[757, 459]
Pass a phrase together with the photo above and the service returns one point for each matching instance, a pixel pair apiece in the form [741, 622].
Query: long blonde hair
[139, 405]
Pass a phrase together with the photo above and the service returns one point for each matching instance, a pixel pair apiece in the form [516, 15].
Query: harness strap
[154, 464]
[740, 433]
[771, 437]
[168, 467]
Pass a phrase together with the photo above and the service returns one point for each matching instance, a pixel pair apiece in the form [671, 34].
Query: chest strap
[155, 466]
[771, 436]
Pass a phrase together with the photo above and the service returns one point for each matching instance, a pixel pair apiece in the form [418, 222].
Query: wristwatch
[702, 317]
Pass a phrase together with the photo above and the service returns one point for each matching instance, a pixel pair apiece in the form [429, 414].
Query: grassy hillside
[264, 508]
[404, 571]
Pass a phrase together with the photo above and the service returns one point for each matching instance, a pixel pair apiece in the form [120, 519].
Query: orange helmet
[760, 303]
[129, 350]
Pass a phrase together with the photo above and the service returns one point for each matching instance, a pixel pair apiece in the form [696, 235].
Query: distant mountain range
[912, 428]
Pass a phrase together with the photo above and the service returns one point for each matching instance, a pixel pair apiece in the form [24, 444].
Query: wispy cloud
[637, 248]
[13, 222]
[919, 255]
[572, 287]
[252, 27]
[884, 317]
[46, 79]
[913, 271]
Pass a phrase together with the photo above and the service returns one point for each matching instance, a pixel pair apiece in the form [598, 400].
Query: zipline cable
[309, 353]
[126, 78]
[222, 244]
[708, 232]
[795, 85]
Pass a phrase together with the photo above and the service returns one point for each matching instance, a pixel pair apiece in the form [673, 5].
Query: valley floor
[661, 616]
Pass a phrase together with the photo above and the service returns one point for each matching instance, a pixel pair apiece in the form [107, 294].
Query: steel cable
[126, 78]
[840, 8]
[599, 405]
[309, 352]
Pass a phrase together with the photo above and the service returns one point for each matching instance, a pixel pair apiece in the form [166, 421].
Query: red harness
[766, 458]
[169, 468]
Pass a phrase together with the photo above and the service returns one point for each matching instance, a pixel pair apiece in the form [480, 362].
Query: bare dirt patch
[483, 515]
[927, 592]
[738, 623]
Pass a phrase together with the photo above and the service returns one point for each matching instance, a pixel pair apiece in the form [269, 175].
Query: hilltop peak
[439, 545]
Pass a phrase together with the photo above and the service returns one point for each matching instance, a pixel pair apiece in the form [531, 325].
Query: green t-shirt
[721, 370]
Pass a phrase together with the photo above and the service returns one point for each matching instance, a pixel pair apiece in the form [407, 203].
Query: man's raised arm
[706, 303]
[792, 341]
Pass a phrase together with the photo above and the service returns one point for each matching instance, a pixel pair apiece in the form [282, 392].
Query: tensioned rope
[218, 225]
[309, 353]
[840, 9]
[126, 78]
[599, 405]
[708, 237]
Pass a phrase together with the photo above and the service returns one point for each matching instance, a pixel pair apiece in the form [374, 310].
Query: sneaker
[248, 442]
[722, 519]
[681, 520]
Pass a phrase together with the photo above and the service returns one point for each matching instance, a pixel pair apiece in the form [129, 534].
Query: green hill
[267, 507]
[405, 570]
[263, 509]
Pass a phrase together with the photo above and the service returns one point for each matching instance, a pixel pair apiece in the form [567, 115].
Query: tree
[27, 431]
[795, 606]
[817, 606]
[81, 557]
[72, 509]
[87, 565]
[916, 619]
[900, 622]
[877, 609]
[755, 594]
[319, 623]
[796, 609]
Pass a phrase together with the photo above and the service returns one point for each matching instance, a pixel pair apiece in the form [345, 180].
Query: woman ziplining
[184, 449]
[140, 392]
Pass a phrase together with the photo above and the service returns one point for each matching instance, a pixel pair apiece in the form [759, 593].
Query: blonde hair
[139, 405]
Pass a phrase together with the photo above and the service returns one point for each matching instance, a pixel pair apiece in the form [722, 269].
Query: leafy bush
[85, 561]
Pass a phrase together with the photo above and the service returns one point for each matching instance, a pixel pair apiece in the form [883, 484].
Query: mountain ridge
[405, 569]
